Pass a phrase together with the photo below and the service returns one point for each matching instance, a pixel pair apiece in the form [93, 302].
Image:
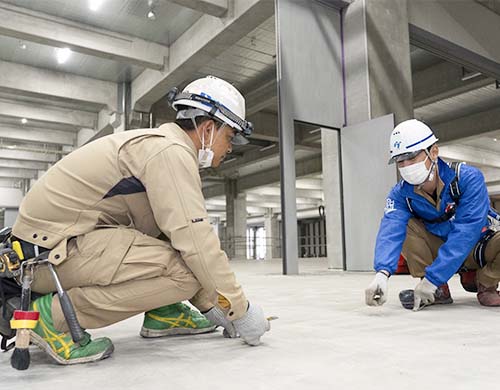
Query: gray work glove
[217, 317]
[424, 293]
[376, 293]
[252, 325]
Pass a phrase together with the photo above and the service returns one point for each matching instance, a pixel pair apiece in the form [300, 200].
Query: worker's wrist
[385, 272]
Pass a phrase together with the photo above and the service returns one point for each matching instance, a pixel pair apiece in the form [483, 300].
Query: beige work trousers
[115, 273]
[421, 248]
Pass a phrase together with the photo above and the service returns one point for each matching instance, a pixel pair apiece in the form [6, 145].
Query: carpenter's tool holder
[28, 268]
[23, 272]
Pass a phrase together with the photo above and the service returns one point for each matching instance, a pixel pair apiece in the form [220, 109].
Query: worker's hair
[187, 124]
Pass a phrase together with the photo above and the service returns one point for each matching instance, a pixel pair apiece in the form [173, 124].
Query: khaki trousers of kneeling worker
[421, 248]
[115, 273]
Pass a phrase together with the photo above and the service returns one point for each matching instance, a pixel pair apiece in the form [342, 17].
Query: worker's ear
[434, 152]
[205, 128]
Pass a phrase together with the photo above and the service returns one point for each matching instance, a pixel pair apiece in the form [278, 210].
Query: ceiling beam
[463, 34]
[16, 173]
[470, 155]
[36, 112]
[265, 126]
[38, 166]
[203, 41]
[258, 197]
[262, 96]
[10, 183]
[17, 133]
[468, 126]
[33, 26]
[12, 154]
[303, 167]
[37, 82]
[442, 81]
[216, 8]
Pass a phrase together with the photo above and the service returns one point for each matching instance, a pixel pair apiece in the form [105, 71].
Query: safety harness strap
[480, 248]
[454, 193]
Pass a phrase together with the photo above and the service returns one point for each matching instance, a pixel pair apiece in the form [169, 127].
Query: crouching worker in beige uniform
[125, 221]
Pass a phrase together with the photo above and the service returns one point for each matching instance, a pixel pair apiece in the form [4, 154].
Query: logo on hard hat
[397, 144]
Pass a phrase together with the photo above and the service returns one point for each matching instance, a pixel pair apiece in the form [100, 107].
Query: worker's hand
[376, 293]
[217, 317]
[252, 325]
[424, 294]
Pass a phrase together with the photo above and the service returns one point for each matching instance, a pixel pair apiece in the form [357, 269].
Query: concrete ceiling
[122, 16]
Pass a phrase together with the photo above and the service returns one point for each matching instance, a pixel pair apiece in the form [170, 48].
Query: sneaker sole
[407, 300]
[42, 344]
[152, 333]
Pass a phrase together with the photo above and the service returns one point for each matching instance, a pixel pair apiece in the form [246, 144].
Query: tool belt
[480, 248]
[25, 249]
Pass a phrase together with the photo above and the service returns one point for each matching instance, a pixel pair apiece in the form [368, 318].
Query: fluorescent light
[94, 5]
[24, 121]
[63, 54]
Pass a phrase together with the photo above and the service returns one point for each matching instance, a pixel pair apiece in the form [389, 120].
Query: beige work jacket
[143, 179]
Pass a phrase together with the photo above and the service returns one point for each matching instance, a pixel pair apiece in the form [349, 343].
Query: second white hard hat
[409, 138]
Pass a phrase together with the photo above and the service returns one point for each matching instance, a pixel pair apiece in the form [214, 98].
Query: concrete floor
[325, 338]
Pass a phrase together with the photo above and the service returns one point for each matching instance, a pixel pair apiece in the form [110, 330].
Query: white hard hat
[213, 97]
[409, 138]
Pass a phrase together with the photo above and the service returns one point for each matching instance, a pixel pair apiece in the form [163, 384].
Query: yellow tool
[272, 318]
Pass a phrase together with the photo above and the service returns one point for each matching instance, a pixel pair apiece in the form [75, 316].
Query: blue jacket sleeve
[392, 231]
[470, 219]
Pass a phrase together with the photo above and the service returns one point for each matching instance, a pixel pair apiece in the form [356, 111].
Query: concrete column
[332, 198]
[272, 235]
[377, 61]
[10, 216]
[236, 221]
[83, 136]
[378, 82]
[215, 222]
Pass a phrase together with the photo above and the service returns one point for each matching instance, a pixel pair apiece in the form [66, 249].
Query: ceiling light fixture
[22, 45]
[494, 139]
[24, 121]
[151, 15]
[63, 54]
[94, 5]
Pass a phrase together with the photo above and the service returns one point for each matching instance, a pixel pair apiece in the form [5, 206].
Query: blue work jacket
[460, 233]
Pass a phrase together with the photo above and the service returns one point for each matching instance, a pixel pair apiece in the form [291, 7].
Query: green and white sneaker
[59, 345]
[176, 319]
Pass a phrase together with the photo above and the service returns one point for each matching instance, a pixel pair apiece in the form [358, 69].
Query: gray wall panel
[309, 63]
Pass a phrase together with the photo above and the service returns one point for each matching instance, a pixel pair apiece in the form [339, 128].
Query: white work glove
[376, 293]
[252, 325]
[424, 293]
[217, 317]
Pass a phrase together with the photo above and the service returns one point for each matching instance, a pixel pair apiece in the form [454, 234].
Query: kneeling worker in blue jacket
[439, 217]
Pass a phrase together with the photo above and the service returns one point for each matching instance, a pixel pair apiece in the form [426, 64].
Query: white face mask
[206, 154]
[417, 173]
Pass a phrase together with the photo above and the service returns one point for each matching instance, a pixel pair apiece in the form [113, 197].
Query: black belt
[29, 250]
[480, 248]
